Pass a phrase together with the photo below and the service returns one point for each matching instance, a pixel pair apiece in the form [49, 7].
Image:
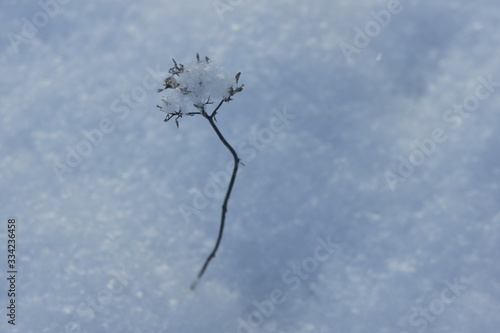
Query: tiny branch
[212, 116]
[189, 93]
[226, 198]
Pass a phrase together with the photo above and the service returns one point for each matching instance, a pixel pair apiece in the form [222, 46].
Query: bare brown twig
[226, 198]
[173, 82]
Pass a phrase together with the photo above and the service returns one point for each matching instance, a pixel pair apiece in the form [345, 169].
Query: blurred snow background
[102, 243]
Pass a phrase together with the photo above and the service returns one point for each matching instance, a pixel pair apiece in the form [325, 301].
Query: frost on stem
[194, 86]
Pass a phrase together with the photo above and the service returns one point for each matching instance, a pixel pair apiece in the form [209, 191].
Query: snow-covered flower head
[195, 85]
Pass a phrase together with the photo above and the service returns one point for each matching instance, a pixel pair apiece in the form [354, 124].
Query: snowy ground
[369, 199]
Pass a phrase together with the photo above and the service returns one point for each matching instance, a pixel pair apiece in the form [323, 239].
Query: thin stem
[214, 112]
[228, 193]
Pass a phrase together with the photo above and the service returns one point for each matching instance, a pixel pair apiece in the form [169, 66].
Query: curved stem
[228, 193]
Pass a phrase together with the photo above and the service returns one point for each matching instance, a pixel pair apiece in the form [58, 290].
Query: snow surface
[97, 180]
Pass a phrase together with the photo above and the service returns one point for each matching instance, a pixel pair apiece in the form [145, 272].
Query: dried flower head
[194, 85]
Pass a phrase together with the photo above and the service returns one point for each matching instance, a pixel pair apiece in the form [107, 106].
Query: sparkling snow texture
[369, 199]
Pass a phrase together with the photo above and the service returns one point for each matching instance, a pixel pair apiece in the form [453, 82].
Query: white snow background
[103, 247]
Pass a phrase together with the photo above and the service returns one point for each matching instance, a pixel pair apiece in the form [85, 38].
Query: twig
[228, 193]
[193, 93]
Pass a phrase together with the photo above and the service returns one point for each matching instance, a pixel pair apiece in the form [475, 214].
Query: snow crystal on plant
[203, 80]
[194, 83]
